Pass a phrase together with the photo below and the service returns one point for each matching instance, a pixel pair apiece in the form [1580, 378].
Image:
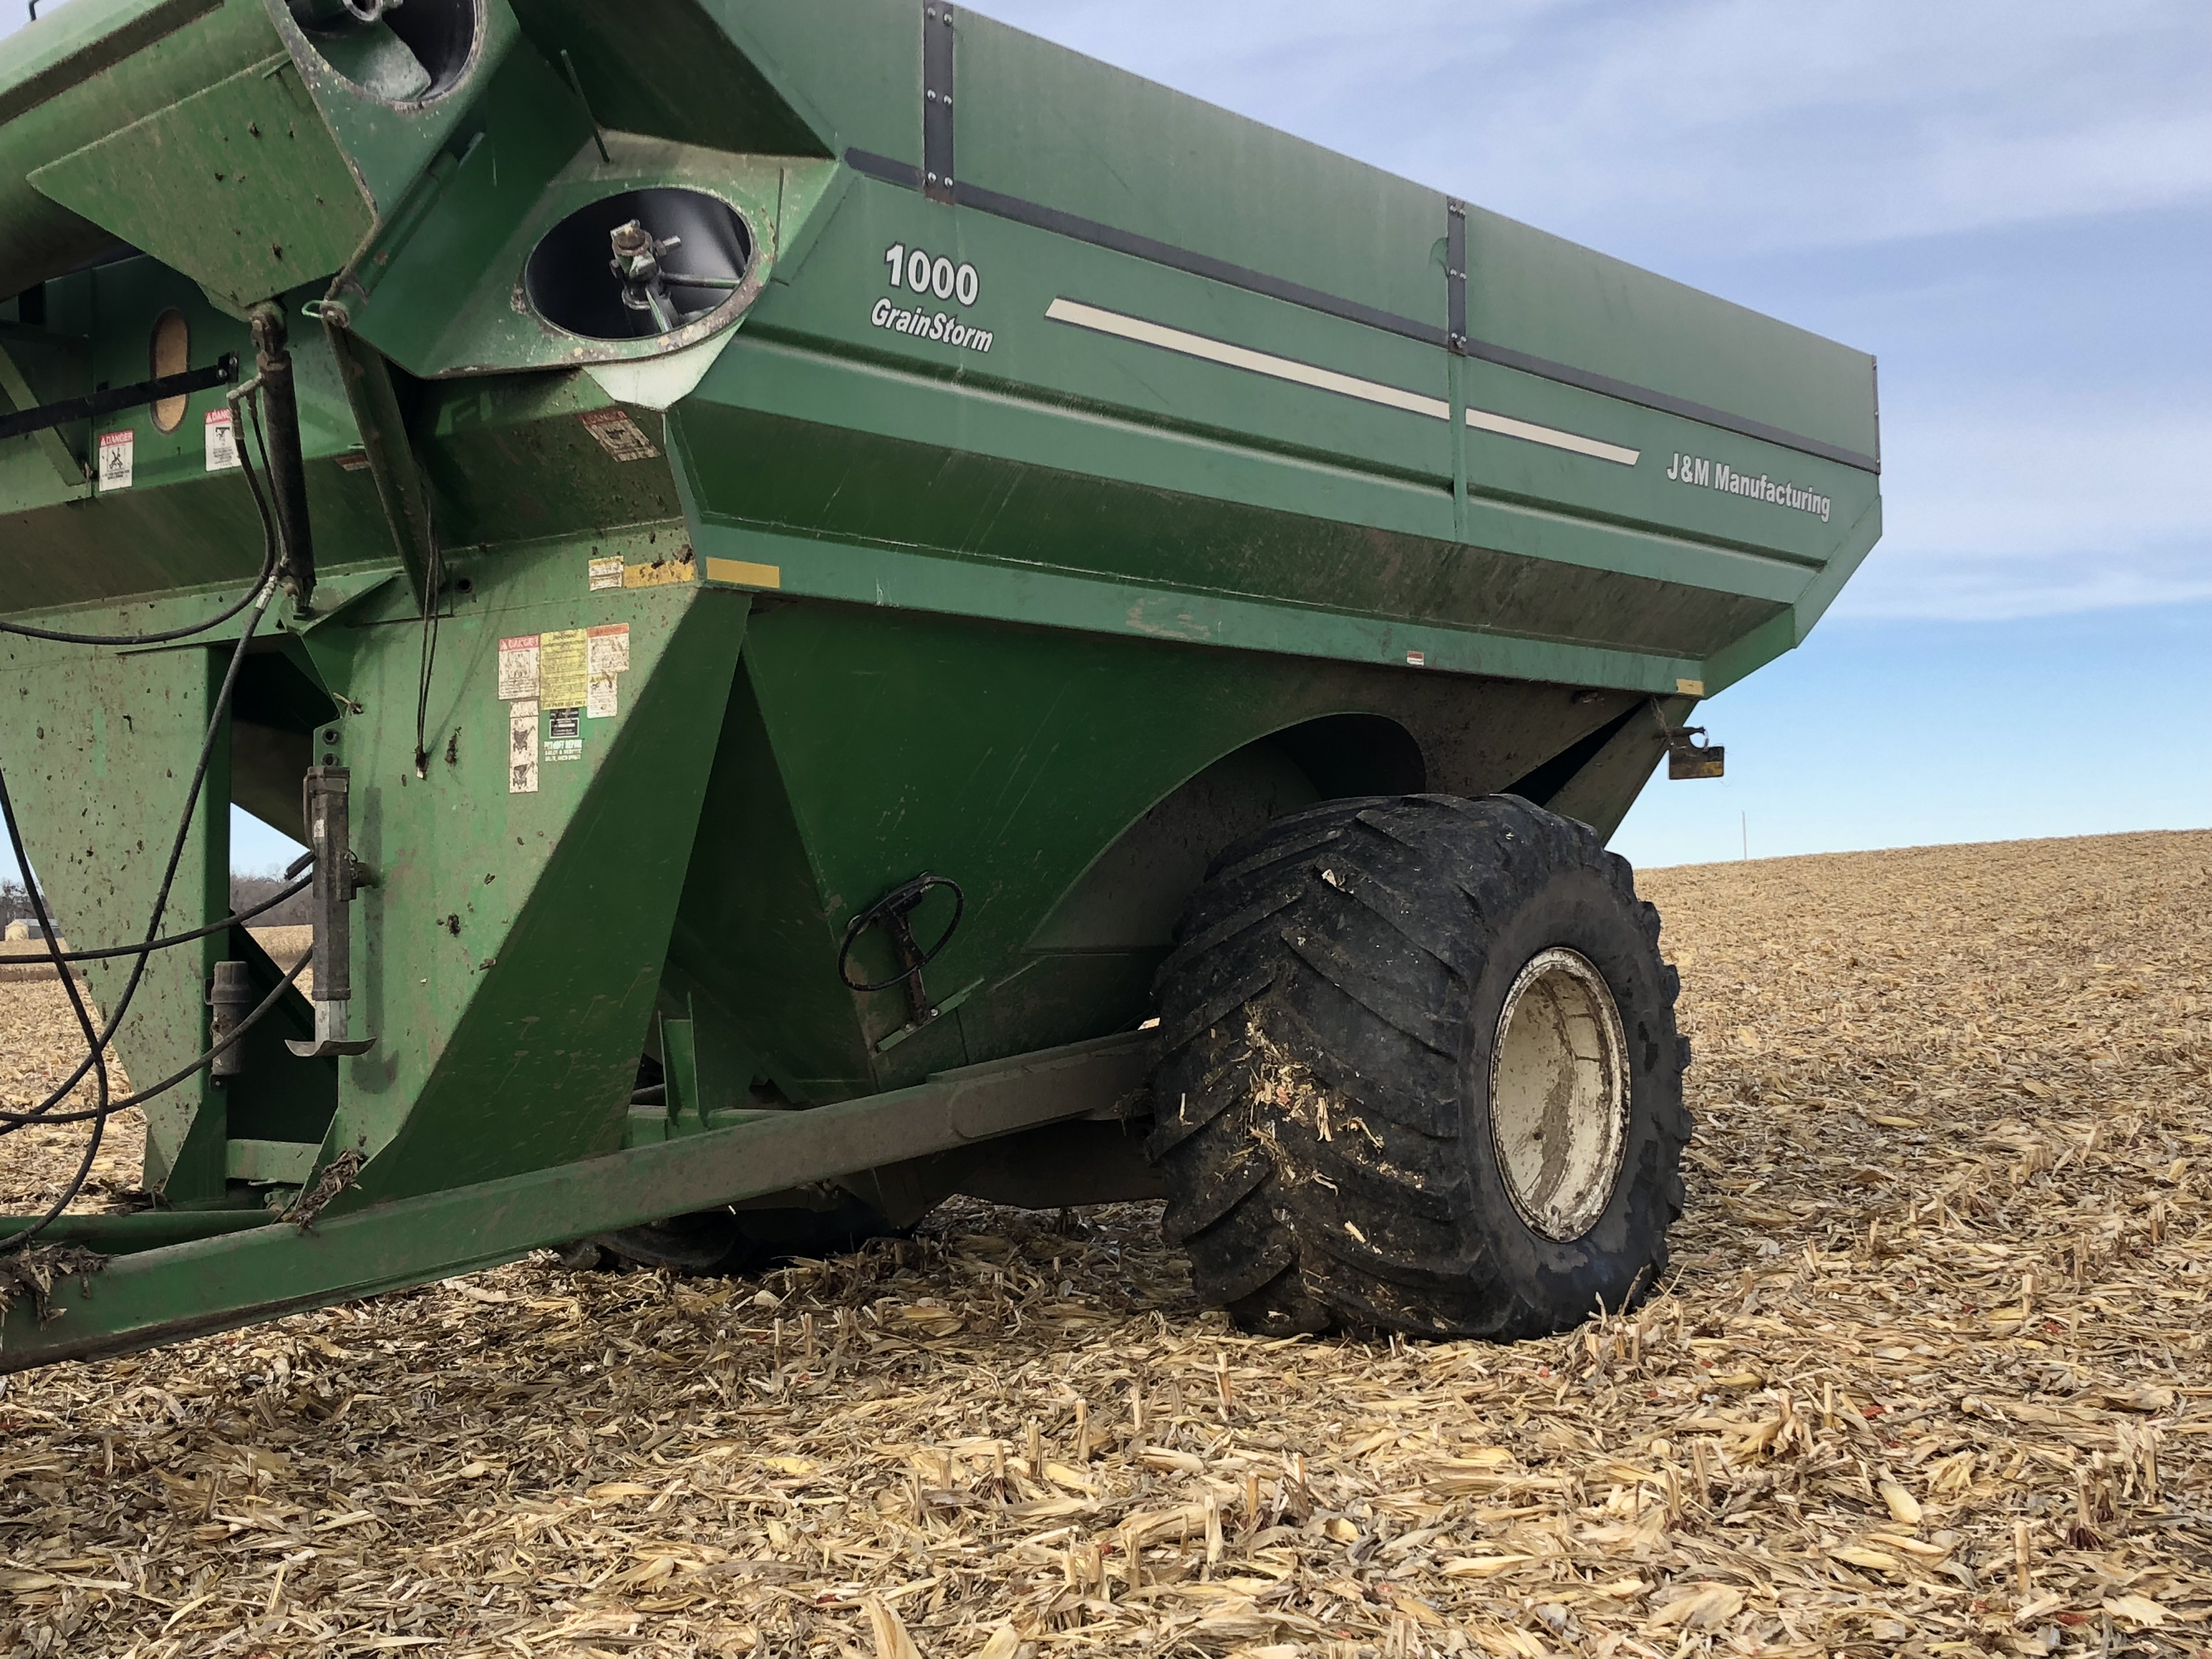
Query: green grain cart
[852, 607]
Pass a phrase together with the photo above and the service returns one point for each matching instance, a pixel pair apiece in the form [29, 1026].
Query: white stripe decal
[1325, 380]
[1506, 426]
[1218, 351]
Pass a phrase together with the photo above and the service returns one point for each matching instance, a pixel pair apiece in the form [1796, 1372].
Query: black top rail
[223, 371]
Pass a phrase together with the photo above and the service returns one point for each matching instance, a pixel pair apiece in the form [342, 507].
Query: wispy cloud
[2009, 512]
[1762, 125]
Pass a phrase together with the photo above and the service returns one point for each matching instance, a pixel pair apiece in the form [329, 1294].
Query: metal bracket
[393, 466]
[339, 875]
[1685, 757]
[1455, 275]
[937, 36]
[891, 912]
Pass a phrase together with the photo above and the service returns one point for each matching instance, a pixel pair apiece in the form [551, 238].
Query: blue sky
[2006, 202]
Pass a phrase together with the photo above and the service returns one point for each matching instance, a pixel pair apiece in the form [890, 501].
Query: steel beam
[216, 1284]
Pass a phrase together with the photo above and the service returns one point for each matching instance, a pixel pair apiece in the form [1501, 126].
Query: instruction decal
[563, 668]
[522, 748]
[221, 440]
[115, 453]
[605, 574]
[619, 435]
[518, 667]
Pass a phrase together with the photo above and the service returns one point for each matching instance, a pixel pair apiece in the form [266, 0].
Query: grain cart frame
[741, 475]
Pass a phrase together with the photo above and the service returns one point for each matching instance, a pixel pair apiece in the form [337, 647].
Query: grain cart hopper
[805, 573]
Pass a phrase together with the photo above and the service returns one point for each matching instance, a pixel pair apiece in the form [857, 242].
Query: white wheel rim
[1559, 1094]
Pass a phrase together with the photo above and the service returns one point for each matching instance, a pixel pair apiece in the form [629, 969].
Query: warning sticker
[518, 667]
[609, 648]
[115, 452]
[609, 654]
[605, 573]
[222, 441]
[522, 749]
[619, 435]
[563, 668]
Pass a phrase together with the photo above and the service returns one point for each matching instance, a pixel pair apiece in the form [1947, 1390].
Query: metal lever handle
[325, 798]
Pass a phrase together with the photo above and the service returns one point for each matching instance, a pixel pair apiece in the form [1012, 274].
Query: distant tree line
[14, 902]
[245, 891]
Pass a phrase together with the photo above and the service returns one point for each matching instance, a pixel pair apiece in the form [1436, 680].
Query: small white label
[619, 435]
[609, 648]
[518, 667]
[1417, 660]
[221, 440]
[115, 455]
[522, 748]
[609, 654]
[605, 573]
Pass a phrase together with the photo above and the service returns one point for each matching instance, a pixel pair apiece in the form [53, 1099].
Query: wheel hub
[1558, 1093]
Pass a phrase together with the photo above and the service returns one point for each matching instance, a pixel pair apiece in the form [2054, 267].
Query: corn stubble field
[1928, 1377]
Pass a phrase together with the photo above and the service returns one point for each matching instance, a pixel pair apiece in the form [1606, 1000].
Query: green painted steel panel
[89, 68]
[1165, 509]
[248, 154]
[99, 748]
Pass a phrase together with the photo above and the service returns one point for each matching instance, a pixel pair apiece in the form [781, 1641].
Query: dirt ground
[1930, 1378]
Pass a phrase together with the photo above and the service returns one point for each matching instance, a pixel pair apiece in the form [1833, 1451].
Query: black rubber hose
[270, 558]
[96, 1047]
[108, 1107]
[231, 920]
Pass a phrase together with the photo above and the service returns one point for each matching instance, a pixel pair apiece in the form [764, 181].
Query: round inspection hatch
[405, 52]
[169, 352]
[1559, 1094]
[640, 264]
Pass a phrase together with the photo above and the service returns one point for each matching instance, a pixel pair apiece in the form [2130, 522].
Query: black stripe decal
[937, 100]
[1666, 402]
[1313, 299]
[1454, 274]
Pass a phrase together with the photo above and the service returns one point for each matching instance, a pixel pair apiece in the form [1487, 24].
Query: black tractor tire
[1349, 987]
